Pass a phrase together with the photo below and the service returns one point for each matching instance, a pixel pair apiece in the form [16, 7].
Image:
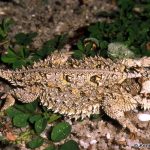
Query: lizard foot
[9, 101]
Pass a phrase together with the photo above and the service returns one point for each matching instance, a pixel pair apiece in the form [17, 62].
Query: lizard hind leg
[9, 101]
[55, 59]
[25, 95]
[115, 104]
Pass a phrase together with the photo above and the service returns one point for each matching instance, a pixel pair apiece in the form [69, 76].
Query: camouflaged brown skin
[78, 88]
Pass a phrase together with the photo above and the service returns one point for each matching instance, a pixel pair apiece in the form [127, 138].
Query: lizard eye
[98, 66]
[95, 79]
[68, 78]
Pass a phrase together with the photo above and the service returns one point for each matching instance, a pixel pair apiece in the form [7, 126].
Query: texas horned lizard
[78, 88]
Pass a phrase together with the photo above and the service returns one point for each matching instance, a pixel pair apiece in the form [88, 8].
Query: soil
[53, 17]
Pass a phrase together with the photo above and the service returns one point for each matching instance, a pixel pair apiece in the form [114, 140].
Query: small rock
[118, 50]
[84, 144]
[122, 141]
[132, 143]
[146, 87]
[108, 136]
[61, 27]
[93, 142]
[144, 117]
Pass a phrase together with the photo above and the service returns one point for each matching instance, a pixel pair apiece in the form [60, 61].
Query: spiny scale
[79, 88]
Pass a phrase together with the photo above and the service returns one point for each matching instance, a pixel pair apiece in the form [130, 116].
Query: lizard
[79, 88]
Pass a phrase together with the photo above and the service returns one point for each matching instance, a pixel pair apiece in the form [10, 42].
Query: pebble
[144, 117]
[84, 144]
[93, 142]
[108, 136]
[146, 87]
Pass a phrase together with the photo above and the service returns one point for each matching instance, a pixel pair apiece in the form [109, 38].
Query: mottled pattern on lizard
[79, 88]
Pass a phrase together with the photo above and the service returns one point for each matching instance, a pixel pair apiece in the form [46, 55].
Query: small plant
[4, 29]
[60, 131]
[22, 56]
[35, 142]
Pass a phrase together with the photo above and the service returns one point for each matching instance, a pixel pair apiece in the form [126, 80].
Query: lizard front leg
[120, 117]
[59, 58]
[55, 59]
[116, 103]
[25, 95]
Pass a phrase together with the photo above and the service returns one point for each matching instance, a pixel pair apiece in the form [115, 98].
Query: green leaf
[25, 38]
[92, 40]
[62, 40]
[35, 143]
[51, 147]
[126, 5]
[53, 117]
[17, 59]
[28, 108]
[80, 45]
[2, 138]
[40, 125]
[21, 52]
[95, 117]
[19, 63]
[10, 57]
[60, 131]
[6, 24]
[70, 145]
[88, 47]
[47, 48]
[34, 118]
[4, 28]
[31, 107]
[20, 107]
[78, 54]
[104, 44]
[21, 120]
[11, 112]
[94, 29]
[2, 34]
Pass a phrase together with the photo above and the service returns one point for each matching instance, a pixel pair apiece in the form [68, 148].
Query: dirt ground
[53, 17]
